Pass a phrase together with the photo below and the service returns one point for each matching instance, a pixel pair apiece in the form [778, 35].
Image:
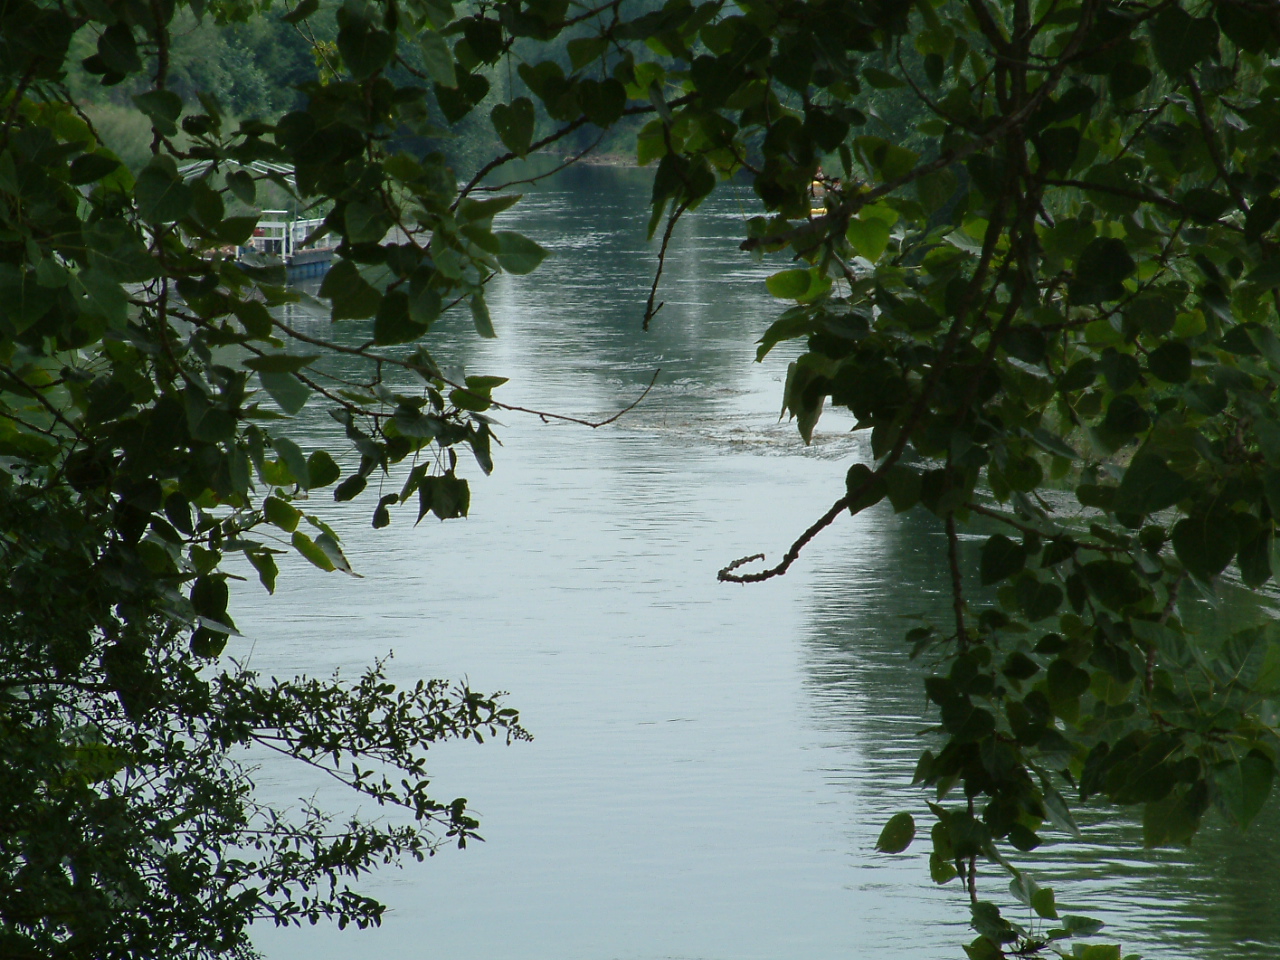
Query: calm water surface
[712, 763]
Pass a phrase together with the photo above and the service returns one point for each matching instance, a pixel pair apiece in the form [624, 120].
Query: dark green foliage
[1044, 257]
[1086, 301]
[121, 745]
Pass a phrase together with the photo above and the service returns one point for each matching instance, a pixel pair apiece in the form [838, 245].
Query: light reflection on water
[712, 763]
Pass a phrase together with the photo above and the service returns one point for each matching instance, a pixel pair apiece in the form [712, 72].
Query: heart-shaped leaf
[513, 123]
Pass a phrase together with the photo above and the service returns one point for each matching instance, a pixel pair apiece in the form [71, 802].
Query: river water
[712, 763]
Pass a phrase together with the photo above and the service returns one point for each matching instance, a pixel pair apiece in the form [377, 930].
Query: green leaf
[235, 230]
[102, 296]
[364, 50]
[162, 106]
[91, 167]
[119, 50]
[603, 102]
[1149, 485]
[321, 470]
[365, 222]
[293, 458]
[1039, 599]
[583, 50]
[941, 870]
[394, 322]
[1001, 558]
[882, 79]
[1181, 40]
[351, 488]
[483, 211]
[518, 254]
[796, 322]
[936, 189]
[1206, 205]
[242, 184]
[1056, 807]
[1096, 951]
[312, 552]
[1113, 582]
[1101, 268]
[425, 304]
[1042, 903]
[869, 237]
[863, 488]
[1205, 543]
[1171, 362]
[1244, 786]
[437, 58]
[1066, 680]
[282, 514]
[897, 834]
[329, 545]
[1172, 819]
[480, 316]
[304, 9]
[280, 362]
[209, 596]
[789, 284]
[1058, 148]
[447, 497]
[988, 922]
[514, 124]
[290, 393]
[887, 160]
[162, 196]
[352, 297]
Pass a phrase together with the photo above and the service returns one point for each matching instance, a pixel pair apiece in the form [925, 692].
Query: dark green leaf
[1001, 558]
[1205, 543]
[1171, 362]
[480, 316]
[304, 9]
[394, 323]
[1181, 40]
[1244, 786]
[162, 196]
[437, 58]
[1113, 582]
[897, 834]
[1100, 270]
[321, 470]
[1066, 680]
[280, 362]
[518, 254]
[789, 284]
[311, 551]
[514, 124]
[265, 563]
[869, 237]
[1149, 485]
[91, 167]
[365, 50]
[283, 515]
[286, 390]
[863, 488]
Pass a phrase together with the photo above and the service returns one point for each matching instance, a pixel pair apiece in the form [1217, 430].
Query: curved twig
[650, 311]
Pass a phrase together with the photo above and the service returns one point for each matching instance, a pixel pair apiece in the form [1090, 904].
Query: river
[712, 763]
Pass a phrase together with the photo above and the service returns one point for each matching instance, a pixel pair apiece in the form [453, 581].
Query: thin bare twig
[498, 188]
[727, 575]
[543, 415]
[649, 309]
[957, 587]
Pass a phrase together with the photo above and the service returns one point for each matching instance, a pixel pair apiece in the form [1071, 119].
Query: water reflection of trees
[1212, 901]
